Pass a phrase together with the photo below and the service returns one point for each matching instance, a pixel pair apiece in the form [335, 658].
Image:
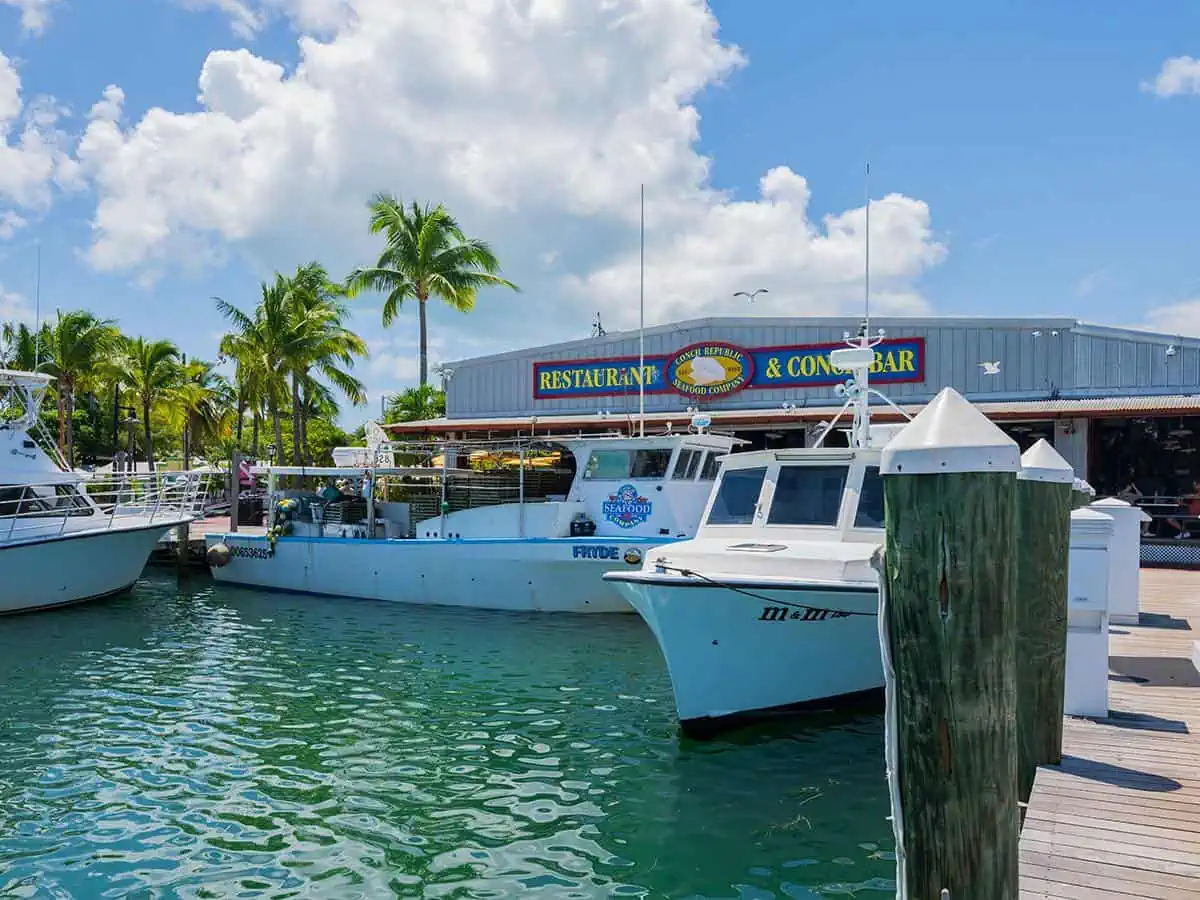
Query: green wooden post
[950, 575]
[1043, 521]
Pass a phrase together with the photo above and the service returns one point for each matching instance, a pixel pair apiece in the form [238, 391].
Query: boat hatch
[757, 548]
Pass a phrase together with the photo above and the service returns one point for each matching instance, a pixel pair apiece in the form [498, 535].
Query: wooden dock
[164, 554]
[1120, 818]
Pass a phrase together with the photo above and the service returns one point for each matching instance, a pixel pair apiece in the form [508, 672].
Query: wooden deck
[1120, 818]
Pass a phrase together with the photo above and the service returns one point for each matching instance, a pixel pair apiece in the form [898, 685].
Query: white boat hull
[730, 654]
[39, 573]
[528, 575]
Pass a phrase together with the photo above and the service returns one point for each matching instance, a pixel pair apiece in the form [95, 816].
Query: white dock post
[1086, 689]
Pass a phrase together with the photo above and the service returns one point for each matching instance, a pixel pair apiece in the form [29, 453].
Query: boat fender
[218, 555]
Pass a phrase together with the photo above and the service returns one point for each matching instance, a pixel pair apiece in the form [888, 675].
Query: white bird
[990, 368]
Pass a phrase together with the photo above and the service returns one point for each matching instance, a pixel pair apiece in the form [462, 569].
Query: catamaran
[66, 537]
[446, 533]
[774, 603]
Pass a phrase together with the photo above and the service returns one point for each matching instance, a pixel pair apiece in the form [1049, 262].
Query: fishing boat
[533, 533]
[66, 536]
[774, 603]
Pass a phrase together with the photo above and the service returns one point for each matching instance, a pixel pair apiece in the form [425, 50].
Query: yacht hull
[731, 654]
[526, 575]
[45, 572]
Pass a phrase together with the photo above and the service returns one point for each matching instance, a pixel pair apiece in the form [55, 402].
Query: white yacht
[774, 602]
[66, 537]
[515, 546]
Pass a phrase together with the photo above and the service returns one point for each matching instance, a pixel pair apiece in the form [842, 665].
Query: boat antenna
[867, 256]
[37, 311]
[642, 320]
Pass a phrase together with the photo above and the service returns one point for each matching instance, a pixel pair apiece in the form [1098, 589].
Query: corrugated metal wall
[1036, 358]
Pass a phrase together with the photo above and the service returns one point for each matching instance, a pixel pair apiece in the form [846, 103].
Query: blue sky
[1033, 171]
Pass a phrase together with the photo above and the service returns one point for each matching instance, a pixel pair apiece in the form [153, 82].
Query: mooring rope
[692, 573]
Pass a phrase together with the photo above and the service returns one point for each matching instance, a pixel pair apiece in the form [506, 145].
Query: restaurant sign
[714, 369]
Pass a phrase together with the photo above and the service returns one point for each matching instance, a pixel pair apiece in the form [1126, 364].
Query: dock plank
[1120, 818]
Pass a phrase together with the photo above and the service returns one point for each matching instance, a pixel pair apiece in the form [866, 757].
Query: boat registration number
[250, 552]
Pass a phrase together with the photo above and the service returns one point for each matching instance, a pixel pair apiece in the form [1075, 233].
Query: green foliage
[416, 403]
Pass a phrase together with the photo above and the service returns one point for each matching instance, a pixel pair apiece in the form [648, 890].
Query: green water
[206, 743]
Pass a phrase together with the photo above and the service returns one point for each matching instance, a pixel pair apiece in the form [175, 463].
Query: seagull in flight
[990, 368]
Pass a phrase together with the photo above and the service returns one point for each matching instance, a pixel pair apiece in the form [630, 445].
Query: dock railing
[96, 503]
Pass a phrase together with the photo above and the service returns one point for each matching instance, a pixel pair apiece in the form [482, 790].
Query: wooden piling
[1043, 534]
[950, 574]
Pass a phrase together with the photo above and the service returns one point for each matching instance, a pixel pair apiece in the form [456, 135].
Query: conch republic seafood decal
[715, 369]
[626, 508]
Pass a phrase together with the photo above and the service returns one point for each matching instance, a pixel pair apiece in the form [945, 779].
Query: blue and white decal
[627, 508]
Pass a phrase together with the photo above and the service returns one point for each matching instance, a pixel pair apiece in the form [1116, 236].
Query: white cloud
[35, 14]
[1178, 75]
[1176, 318]
[34, 153]
[244, 19]
[1092, 282]
[15, 308]
[535, 121]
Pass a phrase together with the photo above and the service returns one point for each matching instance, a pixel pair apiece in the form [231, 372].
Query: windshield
[870, 500]
[622, 464]
[737, 497]
[808, 495]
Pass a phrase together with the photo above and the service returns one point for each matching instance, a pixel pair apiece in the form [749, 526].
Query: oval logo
[710, 369]
[633, 556]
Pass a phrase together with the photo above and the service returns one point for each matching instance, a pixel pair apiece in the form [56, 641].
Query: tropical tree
[19, 346]
[75, 346]
[319, 342]
[295, 334]
[201, 399]
[150, 370]
[417, 403]
[425, 255]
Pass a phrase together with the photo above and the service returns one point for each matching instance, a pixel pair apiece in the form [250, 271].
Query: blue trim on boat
[593, 539]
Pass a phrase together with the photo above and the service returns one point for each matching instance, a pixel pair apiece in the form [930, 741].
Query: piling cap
[950, 435]
[1042, 462]
[1083, 487]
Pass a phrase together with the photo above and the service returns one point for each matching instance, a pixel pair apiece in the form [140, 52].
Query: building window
[870, 500]
[808, 495]
[737, 497]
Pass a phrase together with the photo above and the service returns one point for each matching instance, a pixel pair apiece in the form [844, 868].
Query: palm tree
[21, 348]
[426, 255]
[417, 403]
[318, 341]
[150, 370]
[201, 398]
[74, 347]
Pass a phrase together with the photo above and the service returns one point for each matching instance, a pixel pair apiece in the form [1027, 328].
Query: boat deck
[164, 554]
[1120, 818]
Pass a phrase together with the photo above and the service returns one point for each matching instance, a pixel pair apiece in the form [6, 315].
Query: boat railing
[99, 502]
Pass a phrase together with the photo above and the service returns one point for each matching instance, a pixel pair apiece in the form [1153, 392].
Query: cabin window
[808, 495]
[687, 464]
[30, 500]
[650, 463]
[607, 464]
[711, 466]
[870, 500]
[737, 497]
[618, 464]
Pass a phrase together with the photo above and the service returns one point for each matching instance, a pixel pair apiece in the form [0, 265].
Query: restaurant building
[1120, 405]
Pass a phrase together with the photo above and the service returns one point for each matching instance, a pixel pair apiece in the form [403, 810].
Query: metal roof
[1012, 409]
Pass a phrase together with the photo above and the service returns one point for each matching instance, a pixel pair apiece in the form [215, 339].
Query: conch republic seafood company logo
[711, 369]
[626, 508]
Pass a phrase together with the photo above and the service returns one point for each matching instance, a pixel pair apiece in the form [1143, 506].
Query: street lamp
[750, 296]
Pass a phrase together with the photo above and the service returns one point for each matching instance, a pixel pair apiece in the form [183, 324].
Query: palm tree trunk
[255, 418]
[424, 340]
[186, 441]
[62, 422]
[278, 429]
[305, 412]
[297, 434]
[70, 392]
[241, 412]
[149, 437]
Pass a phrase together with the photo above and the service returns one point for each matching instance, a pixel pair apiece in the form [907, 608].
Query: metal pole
[521, 493]
[642, 322]
[235, 489]
[369, 486]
